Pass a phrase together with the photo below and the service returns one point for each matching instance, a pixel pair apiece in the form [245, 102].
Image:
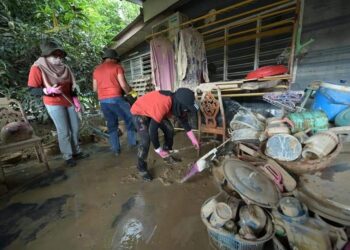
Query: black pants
[142, 126]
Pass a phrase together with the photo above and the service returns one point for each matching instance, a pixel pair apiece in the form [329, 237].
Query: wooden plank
[190, 22]
[248, 150]
[245, 94]
[212, 130]
[16, 144]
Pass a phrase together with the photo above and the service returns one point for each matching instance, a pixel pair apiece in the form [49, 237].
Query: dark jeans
[112, 112]
[142, 127]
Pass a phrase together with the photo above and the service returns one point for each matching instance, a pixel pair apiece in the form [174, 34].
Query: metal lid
[251, 183]
[327, 193]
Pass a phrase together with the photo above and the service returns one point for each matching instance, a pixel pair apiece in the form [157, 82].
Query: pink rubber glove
[52, 90]
[193, 139]
[76, 104]
[162, 153]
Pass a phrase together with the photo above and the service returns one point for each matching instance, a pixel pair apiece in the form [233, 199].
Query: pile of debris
[279, 186]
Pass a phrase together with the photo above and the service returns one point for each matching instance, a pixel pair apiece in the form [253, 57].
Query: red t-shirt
[106, 76]
[153, 105]
[35, 80]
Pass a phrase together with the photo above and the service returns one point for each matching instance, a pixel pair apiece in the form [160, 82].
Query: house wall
[138, 50]
[240, 56]
[327, 22]
[153, 8]
[328, 57]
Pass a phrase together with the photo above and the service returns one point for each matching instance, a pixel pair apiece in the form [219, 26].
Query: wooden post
[294, 38]
[225, 56]
[222, 111]
[257, 44]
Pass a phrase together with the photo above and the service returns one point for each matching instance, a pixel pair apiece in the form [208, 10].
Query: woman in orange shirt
[51, 78]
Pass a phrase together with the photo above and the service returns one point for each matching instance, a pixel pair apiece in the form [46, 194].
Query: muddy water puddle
[97, 206]
[134, 224]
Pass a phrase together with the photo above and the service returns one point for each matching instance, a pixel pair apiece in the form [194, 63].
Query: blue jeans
[67, 125]
[113, 109]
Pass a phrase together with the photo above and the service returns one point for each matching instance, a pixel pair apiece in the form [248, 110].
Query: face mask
[54, 60]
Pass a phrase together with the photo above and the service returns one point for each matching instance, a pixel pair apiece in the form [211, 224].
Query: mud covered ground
[102, 203]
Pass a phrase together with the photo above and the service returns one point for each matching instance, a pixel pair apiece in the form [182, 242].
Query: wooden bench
[11, 111]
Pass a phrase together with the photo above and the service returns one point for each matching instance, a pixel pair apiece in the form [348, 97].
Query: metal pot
[253, 217]
[291, 207]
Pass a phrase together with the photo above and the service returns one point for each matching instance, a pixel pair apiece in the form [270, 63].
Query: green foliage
[83, 27]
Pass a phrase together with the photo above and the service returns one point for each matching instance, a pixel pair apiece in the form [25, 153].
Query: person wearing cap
[151, 112]
[109, 83]
[51, 78]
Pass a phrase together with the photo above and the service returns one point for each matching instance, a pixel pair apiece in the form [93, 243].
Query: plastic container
[247, 119]
[209, 207]
[302, 217]
[343, 118]
[315, 120]
[337, 232]
[221, 214]
[310, 235]
[253, 216]
[332, 99]
[320, 145]
[291, 207]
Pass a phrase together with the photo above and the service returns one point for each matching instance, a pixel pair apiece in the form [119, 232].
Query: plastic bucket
[332, 99]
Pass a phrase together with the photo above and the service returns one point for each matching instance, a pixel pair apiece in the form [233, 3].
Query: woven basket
[303, 166]
[224, 240]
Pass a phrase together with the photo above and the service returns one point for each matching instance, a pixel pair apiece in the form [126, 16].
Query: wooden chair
[11, 111]
[211, 104]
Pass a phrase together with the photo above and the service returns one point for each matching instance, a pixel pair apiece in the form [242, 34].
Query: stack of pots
[295, 149]
[241, 219]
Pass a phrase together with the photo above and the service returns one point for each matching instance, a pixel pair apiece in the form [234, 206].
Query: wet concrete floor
[103, 204]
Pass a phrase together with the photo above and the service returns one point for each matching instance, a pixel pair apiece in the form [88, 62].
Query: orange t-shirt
[153, 105]
[35, 80]
[106, 76]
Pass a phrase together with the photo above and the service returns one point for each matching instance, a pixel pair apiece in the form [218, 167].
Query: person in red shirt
[151, 112]
[110, 83]
[51, 78]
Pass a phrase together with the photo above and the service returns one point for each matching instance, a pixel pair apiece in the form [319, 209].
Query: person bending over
[151, 112]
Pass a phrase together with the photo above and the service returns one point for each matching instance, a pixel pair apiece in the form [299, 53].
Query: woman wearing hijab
[151, 112]
[51, 78]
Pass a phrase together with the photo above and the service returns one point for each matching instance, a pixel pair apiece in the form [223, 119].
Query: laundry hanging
[162, 63]
[192, 68]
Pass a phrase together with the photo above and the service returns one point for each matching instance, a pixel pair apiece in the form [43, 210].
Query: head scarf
[54, 74]
[183, 101]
